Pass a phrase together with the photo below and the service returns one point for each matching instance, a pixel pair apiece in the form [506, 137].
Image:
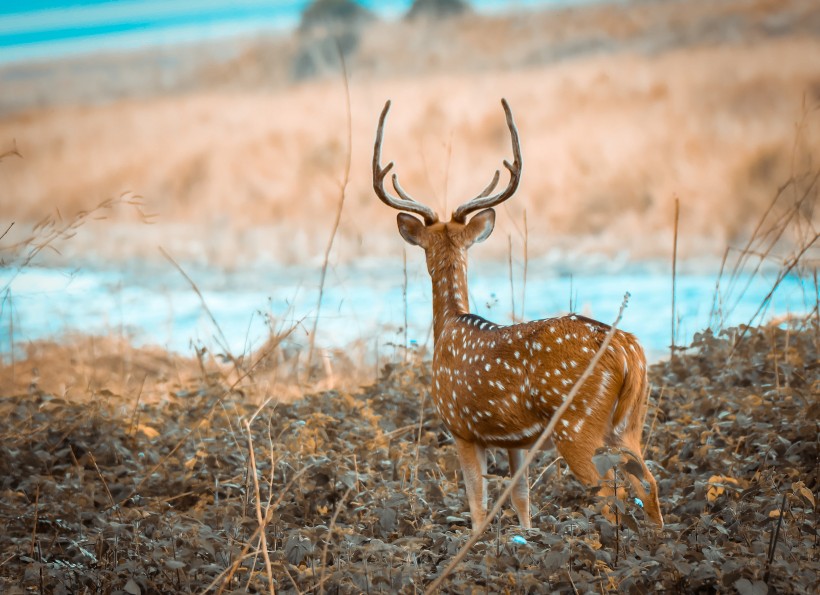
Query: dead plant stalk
[339, 206]
[261, 520]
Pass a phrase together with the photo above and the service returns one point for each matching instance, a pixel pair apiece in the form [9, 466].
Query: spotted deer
[498, 386]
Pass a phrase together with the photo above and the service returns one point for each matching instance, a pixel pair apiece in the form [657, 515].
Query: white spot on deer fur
[487, 367]
[578, 426]
[573, 317]
[438, 386]
[491, 402]
[564, 365]
[559, 340]
[552, 329]
[514, 398]
[517, 355]
[564, 422]
[537, 346]
[557, 372]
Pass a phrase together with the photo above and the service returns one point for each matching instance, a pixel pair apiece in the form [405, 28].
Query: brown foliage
[361, 493]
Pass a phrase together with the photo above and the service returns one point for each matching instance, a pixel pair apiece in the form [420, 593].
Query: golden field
[621, 109]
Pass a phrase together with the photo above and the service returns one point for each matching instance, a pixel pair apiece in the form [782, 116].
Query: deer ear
[411, 229]
[481, 226]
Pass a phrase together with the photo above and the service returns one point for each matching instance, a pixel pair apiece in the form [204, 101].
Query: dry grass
[106, 491]
[238, 169]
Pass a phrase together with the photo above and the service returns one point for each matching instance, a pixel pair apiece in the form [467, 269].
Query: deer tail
[630, 410]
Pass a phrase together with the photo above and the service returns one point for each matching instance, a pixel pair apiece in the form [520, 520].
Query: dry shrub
[360, 490]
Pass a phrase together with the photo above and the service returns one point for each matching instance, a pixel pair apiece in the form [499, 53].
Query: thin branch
[329, 536]
[339, 206]
[672, 345]
[260, 520]
[223, 340]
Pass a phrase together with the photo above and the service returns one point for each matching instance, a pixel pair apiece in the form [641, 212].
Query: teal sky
[44, 29]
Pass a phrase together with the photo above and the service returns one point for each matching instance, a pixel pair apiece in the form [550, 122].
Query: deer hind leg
[473, 459]
[521, 490]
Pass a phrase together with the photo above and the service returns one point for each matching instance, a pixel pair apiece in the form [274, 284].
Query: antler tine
[406, 202]
[490, 187]
[483, 201]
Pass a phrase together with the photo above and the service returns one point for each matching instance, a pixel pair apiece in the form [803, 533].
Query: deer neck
[450, 298]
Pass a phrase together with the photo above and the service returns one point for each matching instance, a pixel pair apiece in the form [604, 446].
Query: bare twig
[673, 344]
[654, 419]
[404, 300]
[260, 520]
[531, 454]
[339, 205]
[36, 520]
[526, 264]
[329, 536]
[512, 288]
[782, 274]
[775, 535]
[227, 574]
[8, 229]
[13, 152]
[222, 339]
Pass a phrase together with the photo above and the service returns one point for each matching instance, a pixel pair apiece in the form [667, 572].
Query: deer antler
[484, 200]
[406, 202]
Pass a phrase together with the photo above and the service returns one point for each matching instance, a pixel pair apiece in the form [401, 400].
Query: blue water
[362, 303]
[45, 29]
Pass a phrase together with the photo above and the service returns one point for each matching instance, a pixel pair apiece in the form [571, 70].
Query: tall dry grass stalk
[224, 345]
[46, 234]
[339, 206]
[404, 299]
[785, 237]
[512, 285]
[532, 452]
[526, 266]
[673, 334]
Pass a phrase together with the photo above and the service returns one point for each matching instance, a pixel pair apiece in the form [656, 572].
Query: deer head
[457, 235]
